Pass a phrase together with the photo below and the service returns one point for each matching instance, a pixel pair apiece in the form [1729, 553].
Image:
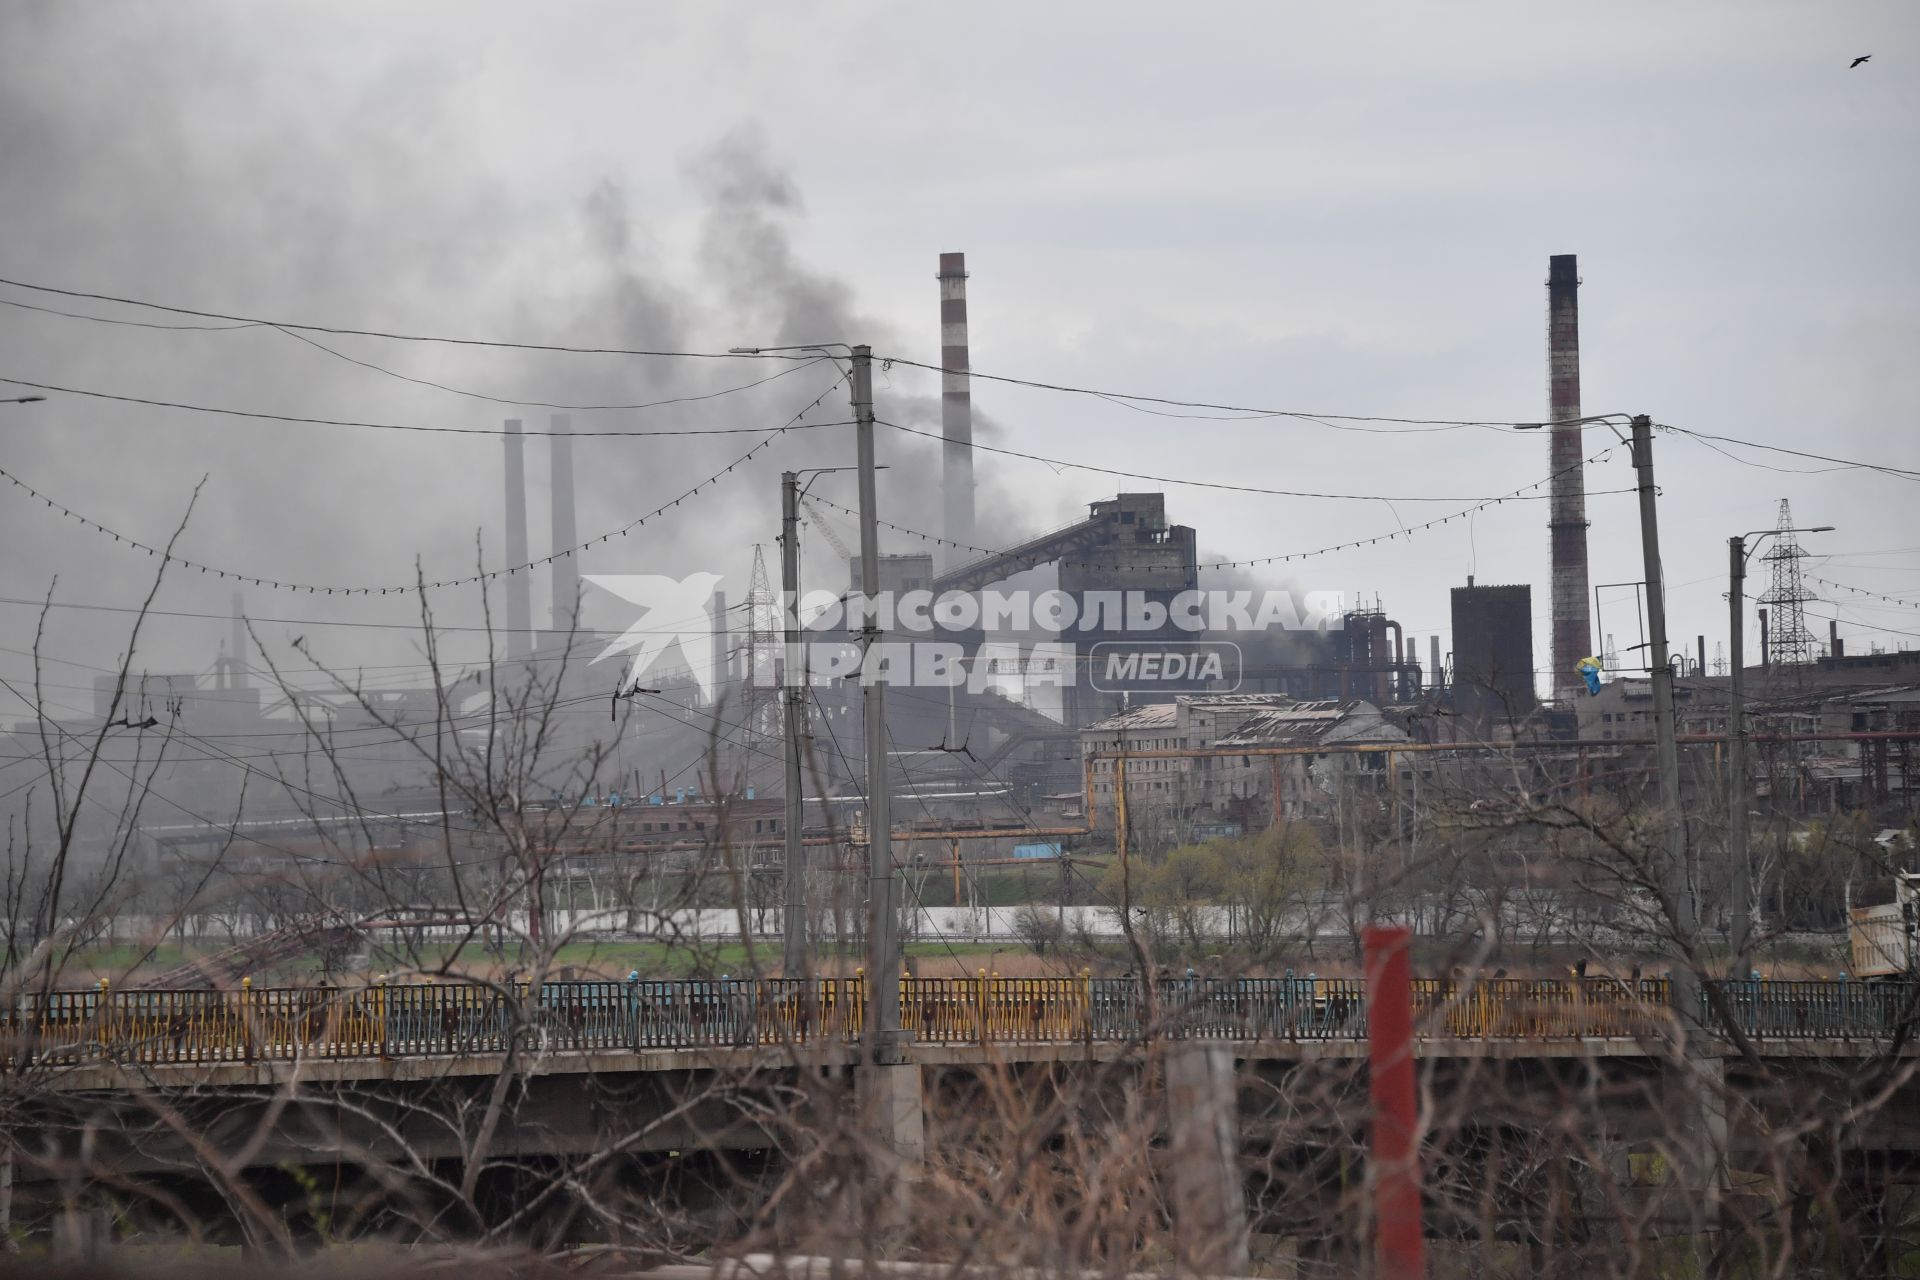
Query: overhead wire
[1223, 485]
[396, 336]
[301, 420]
[1247, 413]
[1243, 412]
[1897, 601]
[25, 602]
[543, 404]
[1525, 493]
[1900, 473]
[467, 580]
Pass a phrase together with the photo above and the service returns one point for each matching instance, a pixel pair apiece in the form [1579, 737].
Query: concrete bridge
[147, 1082]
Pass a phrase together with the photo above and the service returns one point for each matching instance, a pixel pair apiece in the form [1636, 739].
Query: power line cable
[1246, 413]
[322, 589]
[1525, 493]
[1859, 591]
[393, 373]
[20, 601]
[1066, 464]
[1851, 622]
[546, 404]
[1899, 473]
[299, 420]
[239, 321]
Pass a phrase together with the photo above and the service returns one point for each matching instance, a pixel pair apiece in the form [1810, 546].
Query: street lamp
[1739, 861]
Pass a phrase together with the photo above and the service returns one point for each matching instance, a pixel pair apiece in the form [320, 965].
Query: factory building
[1492, 684]
[1176, 799]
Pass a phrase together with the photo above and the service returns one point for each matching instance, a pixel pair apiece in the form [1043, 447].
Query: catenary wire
[294, 622]
[1065, 464]
[324, 589]
[299, 420]
[393, 373]
[1248, 413]
[1900, 473]
[390, 335]
[1518, 495]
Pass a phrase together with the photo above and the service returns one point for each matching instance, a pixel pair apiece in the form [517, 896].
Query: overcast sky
[1343, 209]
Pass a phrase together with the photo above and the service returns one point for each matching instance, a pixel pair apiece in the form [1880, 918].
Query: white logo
[675, 610]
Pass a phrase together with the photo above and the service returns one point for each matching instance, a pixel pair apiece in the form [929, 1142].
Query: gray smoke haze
[1305, 210]
[284, 226]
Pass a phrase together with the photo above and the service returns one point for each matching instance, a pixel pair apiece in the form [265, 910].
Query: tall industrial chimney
[1436, 677]
[956, 411]
[566, 569]
[1567, 518]
[519, 585]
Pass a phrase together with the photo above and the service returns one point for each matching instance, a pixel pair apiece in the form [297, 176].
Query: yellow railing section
[1534, 1008]
[392, 1020]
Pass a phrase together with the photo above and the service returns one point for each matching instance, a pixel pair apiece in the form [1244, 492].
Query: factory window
[1606, 717]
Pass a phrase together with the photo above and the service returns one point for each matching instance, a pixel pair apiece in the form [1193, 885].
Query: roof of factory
[1164, 715]
[1305, 723]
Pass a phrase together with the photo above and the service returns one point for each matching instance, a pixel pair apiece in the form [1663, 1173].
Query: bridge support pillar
[1209, 1198]
[1696, 1117]
[896, 1117]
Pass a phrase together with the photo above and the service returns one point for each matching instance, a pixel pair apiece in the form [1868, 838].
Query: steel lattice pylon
[1789, 643]
[761, 712]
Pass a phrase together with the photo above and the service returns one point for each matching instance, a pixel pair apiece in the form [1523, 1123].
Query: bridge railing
[1766, 1009]
[391, 1020]
[1540, 1008]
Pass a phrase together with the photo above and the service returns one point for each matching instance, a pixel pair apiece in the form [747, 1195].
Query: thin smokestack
[566, 568]
[237, 649]
[1567, 518]
[956, 411]
[723, 665]
[519, 585]
[1434, 678]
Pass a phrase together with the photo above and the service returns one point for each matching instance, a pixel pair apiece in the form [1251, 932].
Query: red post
[1400, 1244]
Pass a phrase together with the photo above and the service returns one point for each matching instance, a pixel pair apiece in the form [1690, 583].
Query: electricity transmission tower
[1789, 643]
[762, 709]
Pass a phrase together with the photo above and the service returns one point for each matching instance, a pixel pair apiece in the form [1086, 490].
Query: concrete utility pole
[1739, 862]
[1701, 1114]
[793, 694]
[893, 1079]
[1677, 873]
[883, 922]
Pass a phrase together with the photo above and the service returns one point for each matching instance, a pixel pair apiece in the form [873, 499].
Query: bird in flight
[1857, 61]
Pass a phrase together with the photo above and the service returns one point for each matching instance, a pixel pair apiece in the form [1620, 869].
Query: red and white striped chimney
[956, 411]
[1567, 508]
[519, 585]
